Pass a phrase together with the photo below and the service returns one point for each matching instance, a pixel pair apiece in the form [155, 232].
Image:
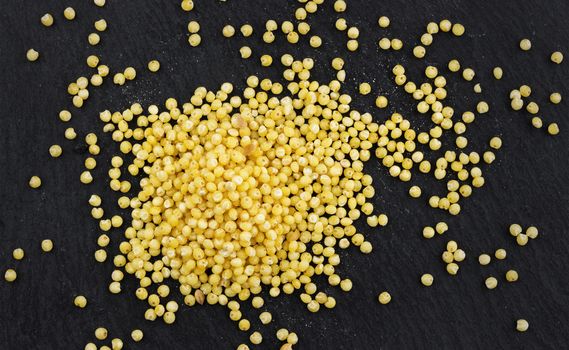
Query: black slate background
[526, 184]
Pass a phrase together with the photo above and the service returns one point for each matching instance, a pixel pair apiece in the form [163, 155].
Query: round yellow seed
[454, 65]
[522, 325]
[137, 335]
[500, 254]
[153, 66]
[553, 129]
[353, 33]
[194, 39]
[555, 98]
[70, 134]
[292, 338]
[18, 254]
[228, 31]
[536, 122]
[256, 338]
[92, 61]
[257, 302]
[468, 74]
[129, 73]
[10, 275]
[116, 344]
[245, 52]
[340, 6]
[498, 73]
[47, 20]
[266, 60]
[80, 301]
[445, 25]
[193, 27]
[365, 88]
[459, 255]
[484, 259]
[515, 229]
[427, 279]
[415, 191]
[35, 182]
[532, 232]
[396, 44]
[525, 91]
[496, 142]
[426, 39]
[384, 298]
[100, 254]
[93, 39]
[352, 45]
[315, 41]
[246, 30]
[64, 116]
[55, 151]
[187, 5]
[441, 227]
[86, 177]
[532, 108]
[511, 276]
[452, 268]
[265, 317]
[525, 44]
[384, 43]
[428, 232]
[101, 25]
[32, 55]
[557, 57]
[491, 282]
[282, 334]
[244, 325]
[383, 21]
[517, 104]
[522, 239]
[482, 107]
[47, 245]
[418, 51]
[69, 13]
[458, 29]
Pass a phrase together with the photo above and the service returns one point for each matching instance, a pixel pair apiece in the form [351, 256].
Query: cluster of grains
[517, 102]
[440, 228]
[444, 26]
[386, 43]
[102, 334]
[510, 275]
[484, 259]
[400, 146]
[451, 256]
[291, 32]
[522, 238]
[239, 193]
[18, 254]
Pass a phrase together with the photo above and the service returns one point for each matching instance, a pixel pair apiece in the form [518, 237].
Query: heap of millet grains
[241, 192]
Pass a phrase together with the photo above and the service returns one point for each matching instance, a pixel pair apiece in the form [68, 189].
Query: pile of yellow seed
[241, 193]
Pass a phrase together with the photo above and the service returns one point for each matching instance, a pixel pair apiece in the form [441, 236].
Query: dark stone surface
[527, 183]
